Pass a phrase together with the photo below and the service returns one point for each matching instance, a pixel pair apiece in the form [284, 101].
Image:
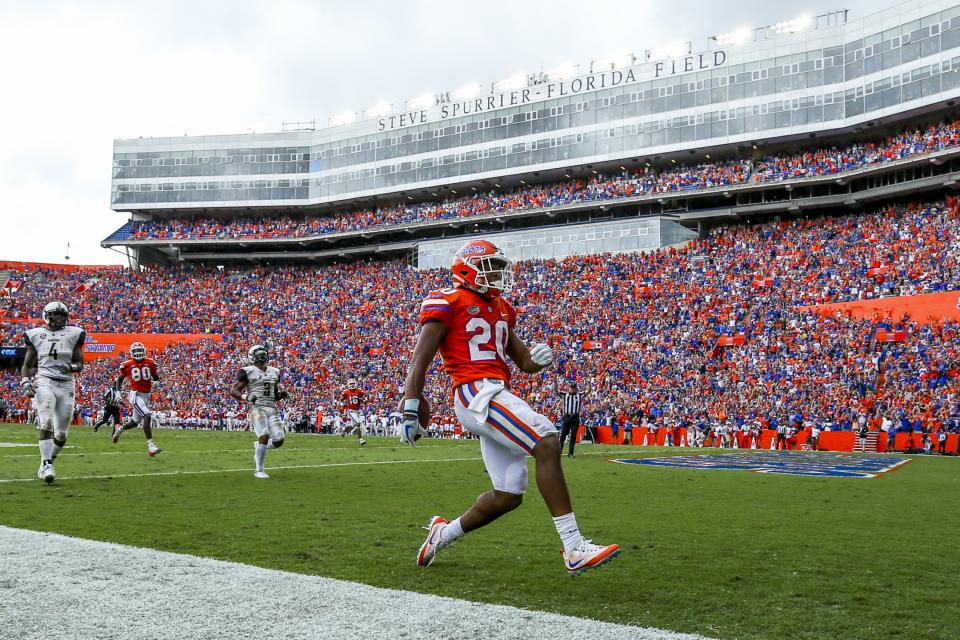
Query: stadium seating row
[601, 188]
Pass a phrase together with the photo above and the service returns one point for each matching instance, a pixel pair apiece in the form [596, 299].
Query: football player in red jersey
[353, 399]
[472, 326]
[142, 372]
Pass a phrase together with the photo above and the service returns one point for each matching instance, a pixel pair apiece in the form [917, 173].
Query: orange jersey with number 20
[475, 344]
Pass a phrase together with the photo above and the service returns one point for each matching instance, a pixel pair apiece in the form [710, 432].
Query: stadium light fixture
[733, 38]
[344, 118]
[424, 101]
[466, 92]
[565, 70]
[793, 26]
[382, 108]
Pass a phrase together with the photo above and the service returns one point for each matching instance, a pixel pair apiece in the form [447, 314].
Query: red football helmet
[479, 265]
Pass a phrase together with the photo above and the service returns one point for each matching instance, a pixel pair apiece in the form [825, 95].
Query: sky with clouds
[77, 75]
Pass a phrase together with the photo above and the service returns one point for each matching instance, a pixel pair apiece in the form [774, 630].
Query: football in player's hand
[423, 413]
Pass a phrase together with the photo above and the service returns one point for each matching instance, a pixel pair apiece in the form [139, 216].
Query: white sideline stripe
[55, 586]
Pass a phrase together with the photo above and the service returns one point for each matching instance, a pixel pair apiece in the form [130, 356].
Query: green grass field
[727, 554]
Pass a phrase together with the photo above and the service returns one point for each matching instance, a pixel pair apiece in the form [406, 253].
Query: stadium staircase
[871, 445]
[122, 233]
[4, 277]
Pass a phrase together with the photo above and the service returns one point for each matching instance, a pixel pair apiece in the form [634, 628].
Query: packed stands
[649, 330]
[600, 188]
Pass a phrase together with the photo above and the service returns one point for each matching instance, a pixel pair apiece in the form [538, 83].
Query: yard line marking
[245, 469]
[79, 453]
[250, 469]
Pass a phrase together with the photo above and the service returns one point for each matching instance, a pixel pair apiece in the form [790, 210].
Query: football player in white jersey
[259, 386]
[54, 356]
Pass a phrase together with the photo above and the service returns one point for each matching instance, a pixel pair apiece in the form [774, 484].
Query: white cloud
[79, 75]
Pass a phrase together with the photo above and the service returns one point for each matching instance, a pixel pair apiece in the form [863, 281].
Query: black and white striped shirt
[111, 398]
[571, 402]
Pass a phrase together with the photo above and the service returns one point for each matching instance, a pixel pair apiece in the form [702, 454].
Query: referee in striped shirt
[570, 422]
[111, 408]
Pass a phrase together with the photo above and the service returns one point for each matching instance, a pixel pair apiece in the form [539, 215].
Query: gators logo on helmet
[479, 265]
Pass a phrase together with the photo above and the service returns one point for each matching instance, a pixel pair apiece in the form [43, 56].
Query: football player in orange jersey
[353, 399]
[142, 372]
[472, 326]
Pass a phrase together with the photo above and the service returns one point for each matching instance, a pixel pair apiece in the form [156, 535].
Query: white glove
[410, 427]
[541, 354]
[26, 385]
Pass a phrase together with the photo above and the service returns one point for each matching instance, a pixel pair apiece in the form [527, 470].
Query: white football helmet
[258, 354]
[138, 351]
[352, 383]
[55, 315]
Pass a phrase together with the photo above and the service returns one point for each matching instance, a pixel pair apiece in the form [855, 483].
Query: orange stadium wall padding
[829, 440]
[15, 265]
[111, 345]
[922, 309]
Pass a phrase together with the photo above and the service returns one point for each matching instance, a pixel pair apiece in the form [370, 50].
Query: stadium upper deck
[791, 80]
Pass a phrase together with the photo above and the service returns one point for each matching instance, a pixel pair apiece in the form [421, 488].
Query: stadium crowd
[528, 197]
[645, 181]
[644, 328]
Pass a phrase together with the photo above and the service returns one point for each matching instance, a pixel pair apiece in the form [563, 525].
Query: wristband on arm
[411, 405]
